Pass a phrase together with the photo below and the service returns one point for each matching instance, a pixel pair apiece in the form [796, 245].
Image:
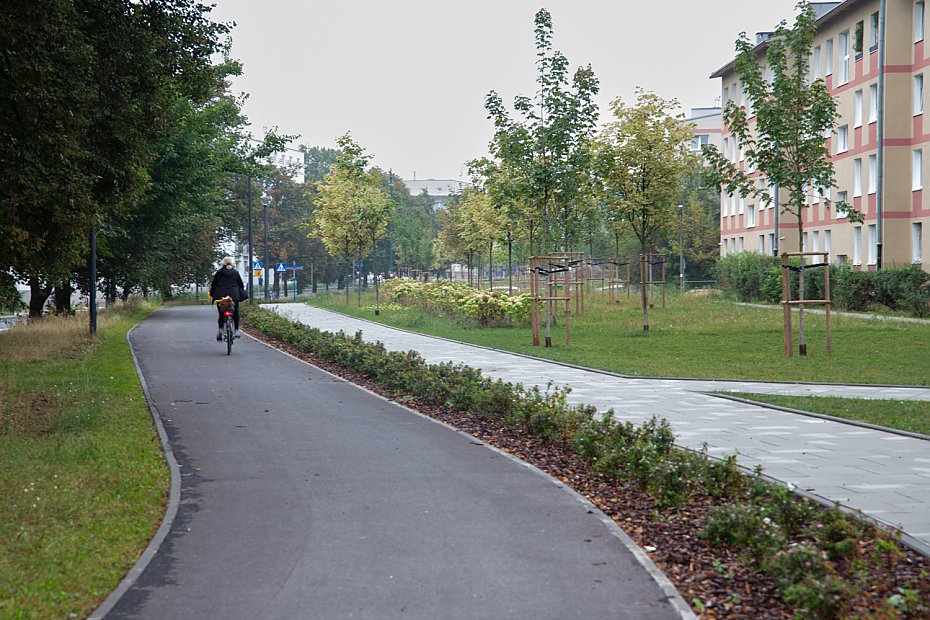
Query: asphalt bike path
[304, 496]
[886, 475]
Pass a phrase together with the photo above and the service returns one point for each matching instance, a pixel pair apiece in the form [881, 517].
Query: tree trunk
[642, 289]
[37, 298]
[510, 263]
[802, 338]
[63, 297]
[358, 284]
[491, 267]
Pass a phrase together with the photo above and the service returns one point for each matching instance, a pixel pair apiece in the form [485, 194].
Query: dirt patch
[26, 414]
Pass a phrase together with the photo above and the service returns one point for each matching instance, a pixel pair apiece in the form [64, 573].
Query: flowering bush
[459, 299]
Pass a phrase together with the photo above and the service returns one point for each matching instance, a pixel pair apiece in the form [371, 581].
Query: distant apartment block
[873, 59]
[437, 191]
[707, 128]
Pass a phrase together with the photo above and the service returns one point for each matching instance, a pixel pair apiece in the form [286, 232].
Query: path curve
[303, 495]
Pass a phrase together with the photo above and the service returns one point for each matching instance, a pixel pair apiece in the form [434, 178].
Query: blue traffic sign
[280, 267]
[257, 264]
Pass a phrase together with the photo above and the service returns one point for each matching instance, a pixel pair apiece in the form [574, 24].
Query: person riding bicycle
[227, 283]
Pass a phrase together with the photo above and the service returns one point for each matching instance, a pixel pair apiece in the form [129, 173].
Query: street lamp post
[681, 251]
[251, 254]
[266, 199]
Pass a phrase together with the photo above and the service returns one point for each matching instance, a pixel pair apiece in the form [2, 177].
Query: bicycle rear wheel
[229, 336]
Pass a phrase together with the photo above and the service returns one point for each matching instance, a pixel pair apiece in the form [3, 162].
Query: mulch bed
[717, 582]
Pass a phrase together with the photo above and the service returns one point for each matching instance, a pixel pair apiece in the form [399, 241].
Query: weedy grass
[904, 415]
[699, 336]
[84, 479]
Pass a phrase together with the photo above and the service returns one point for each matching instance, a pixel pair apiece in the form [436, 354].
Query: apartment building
[707, 125]
[872, 56]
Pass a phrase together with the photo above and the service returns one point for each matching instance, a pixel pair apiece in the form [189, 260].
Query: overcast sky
[408, 78]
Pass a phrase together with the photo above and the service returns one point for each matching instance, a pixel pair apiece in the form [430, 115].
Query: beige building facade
[872, 56]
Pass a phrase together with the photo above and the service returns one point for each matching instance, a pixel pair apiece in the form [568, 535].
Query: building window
[873, 103]
[740, 244]
[857, 178]
[857, 245]
[828, 57]
[751, 216]
[815, 63]
[828, 244]
[917, 240]
[772, 247]
[873, 174]
[804, 245]
[918, 21]
[815, 241]
[762, 244]
[842, 139]
[843, 59]
[858, 39]
[857, 108]
[726, 94]
[917, 173]
[873, 32]
[742, 204]
[873, 244]
[918, 94]
[699, 141]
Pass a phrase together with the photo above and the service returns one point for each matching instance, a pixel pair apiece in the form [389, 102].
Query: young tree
[547, 153]
[641, 158]
[352, 210]
[481, 225]
[785, 144]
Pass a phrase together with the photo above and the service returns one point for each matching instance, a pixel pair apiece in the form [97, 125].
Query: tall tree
[785, 145]
[86, 93]
[352, 211]
[642, 156]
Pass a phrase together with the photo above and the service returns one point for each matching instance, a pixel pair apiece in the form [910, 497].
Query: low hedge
[796, 541]
[458, 299]
[752, 277]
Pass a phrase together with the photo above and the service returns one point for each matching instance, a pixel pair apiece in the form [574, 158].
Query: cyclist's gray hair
[229, 260]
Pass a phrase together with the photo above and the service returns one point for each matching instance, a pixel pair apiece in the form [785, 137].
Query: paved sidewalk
[885, 475]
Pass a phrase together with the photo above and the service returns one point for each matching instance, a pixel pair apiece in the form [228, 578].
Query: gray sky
[408, 78]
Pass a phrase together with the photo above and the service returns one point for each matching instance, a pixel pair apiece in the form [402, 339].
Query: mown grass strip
[903, 415]
[83, 481]
[700, 336]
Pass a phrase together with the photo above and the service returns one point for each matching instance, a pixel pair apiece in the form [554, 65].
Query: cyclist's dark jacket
[228, 282]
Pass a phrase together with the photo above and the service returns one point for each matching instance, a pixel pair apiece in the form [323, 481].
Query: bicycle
[229, 329]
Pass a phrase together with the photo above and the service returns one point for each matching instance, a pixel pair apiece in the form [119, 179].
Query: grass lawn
[84, 481]
[697, 336]
[905, 415]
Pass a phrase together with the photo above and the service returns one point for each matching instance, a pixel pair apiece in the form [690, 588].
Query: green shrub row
[459, 299]
[765, 520]
[752, 277]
